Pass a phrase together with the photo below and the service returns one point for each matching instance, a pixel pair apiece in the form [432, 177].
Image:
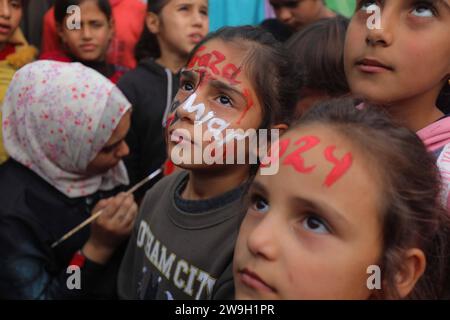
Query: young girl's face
[407, 58]
[114, 150]
[91, 42]
[10, 16]
[182, 25]
[297, 13]
[313, 229]
[216, 94]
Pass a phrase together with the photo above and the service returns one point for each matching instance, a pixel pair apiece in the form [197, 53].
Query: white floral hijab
[56, 118]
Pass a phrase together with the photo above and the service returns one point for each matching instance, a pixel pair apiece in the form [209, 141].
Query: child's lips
[5, 28]
[369, 65]
[196, 37]
[252, 280]
[88, 47]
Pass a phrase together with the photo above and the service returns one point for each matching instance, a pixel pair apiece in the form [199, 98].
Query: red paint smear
[341, 166]
[249, 105]
[78, 259]
[170, 120]
[231, 72]
[196, 57]
[296, 160]
[220, 57]
[276, 152]
[169, 167]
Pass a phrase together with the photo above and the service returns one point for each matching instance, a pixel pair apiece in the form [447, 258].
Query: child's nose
[381, 34]
[261, 240]
[5, 11]
[184, 114]
[284, 14]
[198, 19]
[87, 32]
[192, 109]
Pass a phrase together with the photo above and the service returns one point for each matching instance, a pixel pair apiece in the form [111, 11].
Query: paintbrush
[99, 213]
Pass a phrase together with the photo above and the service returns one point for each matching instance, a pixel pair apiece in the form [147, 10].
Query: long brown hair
[148, 45]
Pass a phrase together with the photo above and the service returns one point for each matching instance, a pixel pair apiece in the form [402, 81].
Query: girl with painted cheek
[353, 213]
[192, 216]
[403, 65]
[64, 127]
[172, 29]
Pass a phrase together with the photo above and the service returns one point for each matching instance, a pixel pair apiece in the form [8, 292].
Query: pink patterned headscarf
[56, 118]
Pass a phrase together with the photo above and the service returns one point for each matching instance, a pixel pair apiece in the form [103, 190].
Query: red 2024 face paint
[211, 61]
[295, 159]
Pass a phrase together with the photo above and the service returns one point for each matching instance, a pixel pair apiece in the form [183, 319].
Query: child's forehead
[324, 133]
[224, 51]
[223, 61]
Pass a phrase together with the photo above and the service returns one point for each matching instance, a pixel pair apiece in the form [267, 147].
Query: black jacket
[33, 214]
[150, 88]
[280, 31]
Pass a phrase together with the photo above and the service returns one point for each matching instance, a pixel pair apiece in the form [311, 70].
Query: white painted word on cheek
[215, 125]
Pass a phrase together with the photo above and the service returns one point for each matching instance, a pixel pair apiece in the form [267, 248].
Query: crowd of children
[311, 153]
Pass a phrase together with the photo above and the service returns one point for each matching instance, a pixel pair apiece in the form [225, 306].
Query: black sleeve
[28, 269]
[132, 161]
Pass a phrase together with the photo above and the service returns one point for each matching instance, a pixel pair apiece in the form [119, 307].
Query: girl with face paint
[353, 213]
[190, 219]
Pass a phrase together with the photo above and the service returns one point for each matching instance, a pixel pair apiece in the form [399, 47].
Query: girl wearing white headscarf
[64, 127]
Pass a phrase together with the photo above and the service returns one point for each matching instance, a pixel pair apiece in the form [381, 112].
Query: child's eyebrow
[439, 2]
[445, 3]
[219, 85]
[326, 211]
[257, 186]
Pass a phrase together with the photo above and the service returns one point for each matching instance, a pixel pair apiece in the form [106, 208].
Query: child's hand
[112, 227]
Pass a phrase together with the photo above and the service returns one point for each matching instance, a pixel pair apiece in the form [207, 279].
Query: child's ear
[412, 269]
[281, 126]
[152, 22]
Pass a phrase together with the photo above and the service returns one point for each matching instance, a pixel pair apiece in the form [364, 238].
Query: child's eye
[225, 100]
[367, 5]
[259, 204]
[183, 8]
[315, 225]
[204, 12]
[16, 4]
[187, 86]
[96, 24]
[424, 10]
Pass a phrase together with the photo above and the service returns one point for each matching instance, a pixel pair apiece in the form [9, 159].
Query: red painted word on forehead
[211, 61]
[296, 160]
